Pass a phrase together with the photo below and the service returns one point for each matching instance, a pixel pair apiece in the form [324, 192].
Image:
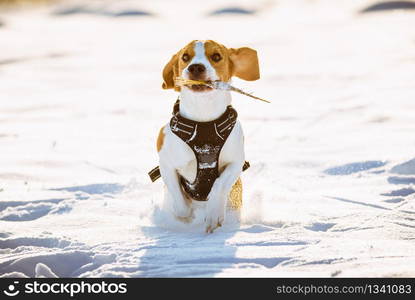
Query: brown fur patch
[176, 65]
[224, 66]
[245, 63]
[160, 139]
[240, 62]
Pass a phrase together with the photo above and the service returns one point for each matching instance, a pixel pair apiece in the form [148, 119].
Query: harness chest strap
[206, 140]
[154, 174]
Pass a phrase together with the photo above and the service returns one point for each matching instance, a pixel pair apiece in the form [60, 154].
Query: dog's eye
[216, 57]
[185, 57]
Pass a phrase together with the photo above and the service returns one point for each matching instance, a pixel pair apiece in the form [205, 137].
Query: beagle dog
[202, 105]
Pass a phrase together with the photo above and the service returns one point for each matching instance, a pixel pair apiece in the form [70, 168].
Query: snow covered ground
[331, 187]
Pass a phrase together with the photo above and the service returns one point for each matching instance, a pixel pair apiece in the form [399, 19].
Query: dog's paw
[183, 213]
[215, 216]
[188, 219]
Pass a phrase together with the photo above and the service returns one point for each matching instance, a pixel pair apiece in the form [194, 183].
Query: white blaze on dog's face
[210, 61]
[199, 67]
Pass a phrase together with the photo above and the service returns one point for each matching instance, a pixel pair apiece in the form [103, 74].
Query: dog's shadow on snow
[180, 254]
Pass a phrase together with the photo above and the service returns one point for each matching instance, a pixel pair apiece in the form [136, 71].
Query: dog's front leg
[181, 207]
[218, 196]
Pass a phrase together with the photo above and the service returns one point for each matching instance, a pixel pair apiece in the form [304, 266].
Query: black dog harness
[206, 139]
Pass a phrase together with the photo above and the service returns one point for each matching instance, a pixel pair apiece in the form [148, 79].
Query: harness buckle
[174, 122]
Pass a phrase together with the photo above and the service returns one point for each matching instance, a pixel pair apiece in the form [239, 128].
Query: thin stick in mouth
[188, 82]
[215, 85]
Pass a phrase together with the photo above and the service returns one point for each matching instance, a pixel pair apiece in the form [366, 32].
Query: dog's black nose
[196, 69]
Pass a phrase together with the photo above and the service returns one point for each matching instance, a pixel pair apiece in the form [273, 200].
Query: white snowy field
[331, 188]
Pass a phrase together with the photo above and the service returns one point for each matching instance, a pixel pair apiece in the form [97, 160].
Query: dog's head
[210, 61]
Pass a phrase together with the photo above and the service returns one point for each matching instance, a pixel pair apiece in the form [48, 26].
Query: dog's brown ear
[169, 72]
[244, 63]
